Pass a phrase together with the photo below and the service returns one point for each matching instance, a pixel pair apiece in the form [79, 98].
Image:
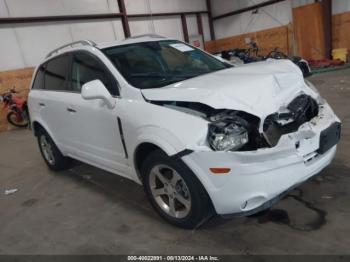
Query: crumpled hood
[258, 88]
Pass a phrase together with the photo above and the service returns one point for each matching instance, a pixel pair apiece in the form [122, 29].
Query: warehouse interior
[87, 211]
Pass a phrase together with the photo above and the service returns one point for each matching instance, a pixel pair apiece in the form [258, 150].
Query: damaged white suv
[202, 137]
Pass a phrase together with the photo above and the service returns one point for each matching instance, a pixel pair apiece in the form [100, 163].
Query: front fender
[162, 138]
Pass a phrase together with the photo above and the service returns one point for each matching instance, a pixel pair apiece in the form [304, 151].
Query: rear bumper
[258, 179]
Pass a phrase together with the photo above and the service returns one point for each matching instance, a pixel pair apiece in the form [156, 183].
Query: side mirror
[96, 90]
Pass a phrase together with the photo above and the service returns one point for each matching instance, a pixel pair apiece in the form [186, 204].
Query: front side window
[86, 68]
[56, 74]
[157, 64]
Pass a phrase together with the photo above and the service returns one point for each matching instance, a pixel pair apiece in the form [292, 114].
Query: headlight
[227, 136]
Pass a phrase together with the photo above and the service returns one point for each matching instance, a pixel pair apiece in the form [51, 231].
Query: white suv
[202, 136]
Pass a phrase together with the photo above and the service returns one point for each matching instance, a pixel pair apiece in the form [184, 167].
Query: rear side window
[86, 68]
[39, 79]
[56, 74]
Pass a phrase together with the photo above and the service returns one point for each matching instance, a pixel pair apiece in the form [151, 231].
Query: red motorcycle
[17, 108]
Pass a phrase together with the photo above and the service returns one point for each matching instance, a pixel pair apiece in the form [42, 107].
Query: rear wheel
[174, 191]
[19, 121]
[51, 154]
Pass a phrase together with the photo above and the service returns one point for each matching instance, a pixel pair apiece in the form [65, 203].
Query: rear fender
[35, 120]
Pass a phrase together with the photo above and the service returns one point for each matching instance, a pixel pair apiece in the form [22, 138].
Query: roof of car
[132, 40]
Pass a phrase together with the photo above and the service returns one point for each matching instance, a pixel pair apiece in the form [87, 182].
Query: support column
[125, 21]
[327, 20]
[184, 28]
[210, 17]
[200, 24]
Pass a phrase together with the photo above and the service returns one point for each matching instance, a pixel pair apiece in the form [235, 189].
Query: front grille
[301, 110]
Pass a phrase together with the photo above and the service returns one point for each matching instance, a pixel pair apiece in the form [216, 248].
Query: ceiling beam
[249, 8]
[165, 14]
[327, 22]
[59, 18]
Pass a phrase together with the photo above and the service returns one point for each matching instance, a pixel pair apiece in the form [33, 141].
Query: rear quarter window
[56, 74]
[39, 79]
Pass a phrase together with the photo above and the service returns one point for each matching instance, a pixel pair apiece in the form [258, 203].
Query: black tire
[201, 207]
[10, 117]
[60, 162]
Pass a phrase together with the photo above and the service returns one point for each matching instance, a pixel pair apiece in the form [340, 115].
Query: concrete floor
[88, 211]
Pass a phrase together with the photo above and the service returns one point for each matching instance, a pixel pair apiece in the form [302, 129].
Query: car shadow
[118, 189]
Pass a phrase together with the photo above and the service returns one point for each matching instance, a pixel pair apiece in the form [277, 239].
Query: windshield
[157, 64]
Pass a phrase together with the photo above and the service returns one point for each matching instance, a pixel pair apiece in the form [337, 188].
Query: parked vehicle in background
[16, 107]
[203, 137]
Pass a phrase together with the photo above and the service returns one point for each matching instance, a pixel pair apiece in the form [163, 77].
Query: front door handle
[42, 104]
[71, 110]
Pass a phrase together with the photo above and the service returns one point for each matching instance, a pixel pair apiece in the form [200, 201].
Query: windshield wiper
[159, 75]
[152, 74]
[164, 79]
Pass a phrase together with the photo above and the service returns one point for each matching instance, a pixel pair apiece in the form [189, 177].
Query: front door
[95, 135]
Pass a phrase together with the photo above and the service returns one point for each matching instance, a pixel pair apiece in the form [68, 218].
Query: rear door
[50, 102]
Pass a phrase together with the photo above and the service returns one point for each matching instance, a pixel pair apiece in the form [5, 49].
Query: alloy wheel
[47, 150]
[170, 191]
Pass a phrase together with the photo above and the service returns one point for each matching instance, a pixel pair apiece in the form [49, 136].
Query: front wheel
[17, 120]
[174, 191]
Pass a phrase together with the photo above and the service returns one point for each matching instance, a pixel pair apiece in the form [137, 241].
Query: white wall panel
[166, 26]
[118, 29]
[140, 26]
[10, 52]
[338, 6]
[163, 6]
[267, 17]
[22, 8]
[38, 40]
[220, 7]
[341, 6]
[3, 9]
[192, 26]
[101, 31]
[169, 27]
[297, 3]
[90, 6]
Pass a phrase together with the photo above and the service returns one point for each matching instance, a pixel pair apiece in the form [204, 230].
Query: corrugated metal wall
[24, 45]
[268, 17]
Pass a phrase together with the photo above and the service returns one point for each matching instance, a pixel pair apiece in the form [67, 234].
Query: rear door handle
[42, 104]
[71, 110]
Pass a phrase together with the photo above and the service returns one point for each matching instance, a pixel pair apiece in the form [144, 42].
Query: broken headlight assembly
[228, 135]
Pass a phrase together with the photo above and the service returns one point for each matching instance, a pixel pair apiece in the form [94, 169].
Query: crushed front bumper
[259, 178]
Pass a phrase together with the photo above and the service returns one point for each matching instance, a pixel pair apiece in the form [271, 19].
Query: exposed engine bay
[301, 110]
[244, 127]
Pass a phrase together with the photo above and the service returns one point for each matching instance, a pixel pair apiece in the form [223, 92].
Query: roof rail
[147, 35]
[82, 42]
